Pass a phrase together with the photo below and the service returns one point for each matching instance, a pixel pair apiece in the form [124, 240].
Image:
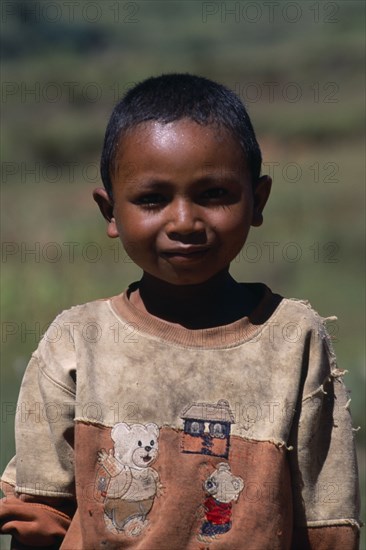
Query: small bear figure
[133, 484]
[223, 488]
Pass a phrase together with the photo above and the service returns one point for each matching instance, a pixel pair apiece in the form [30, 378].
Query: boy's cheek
[135, 251]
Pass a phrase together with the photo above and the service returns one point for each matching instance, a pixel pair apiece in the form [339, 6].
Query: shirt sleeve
[323, 459]
[39, 483]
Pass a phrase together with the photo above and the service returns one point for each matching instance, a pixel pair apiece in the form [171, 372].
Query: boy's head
[172, 97]
[181, 169]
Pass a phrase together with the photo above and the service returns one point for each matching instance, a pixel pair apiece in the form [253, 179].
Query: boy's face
[183, 200]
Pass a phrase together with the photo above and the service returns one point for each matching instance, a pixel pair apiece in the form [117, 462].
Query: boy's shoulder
[84, 318]
[303, 309]
[89, 309]
[278, 308]
[307, 312]
[298, 316]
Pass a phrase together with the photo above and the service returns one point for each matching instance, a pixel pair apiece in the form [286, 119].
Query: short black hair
[171, 97]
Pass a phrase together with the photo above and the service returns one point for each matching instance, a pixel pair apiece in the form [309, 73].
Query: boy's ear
[261, 193]
[105, 204]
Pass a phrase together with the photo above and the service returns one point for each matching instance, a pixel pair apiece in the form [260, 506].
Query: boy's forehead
[180, 136]
[181, 150]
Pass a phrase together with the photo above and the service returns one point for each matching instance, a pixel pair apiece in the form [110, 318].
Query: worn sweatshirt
[132, 432]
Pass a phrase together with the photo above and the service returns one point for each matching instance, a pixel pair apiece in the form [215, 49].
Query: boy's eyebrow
[221, 175]
[211, 177]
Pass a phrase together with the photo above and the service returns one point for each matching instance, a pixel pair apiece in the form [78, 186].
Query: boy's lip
[185, 253]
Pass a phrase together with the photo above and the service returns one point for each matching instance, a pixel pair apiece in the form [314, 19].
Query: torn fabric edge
[335, 374]
[335, 522]
[21, 490]
[280, 443]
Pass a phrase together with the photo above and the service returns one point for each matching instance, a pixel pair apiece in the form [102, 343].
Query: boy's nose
[184, 219]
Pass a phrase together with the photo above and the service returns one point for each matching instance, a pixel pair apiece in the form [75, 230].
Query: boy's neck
[218, 301]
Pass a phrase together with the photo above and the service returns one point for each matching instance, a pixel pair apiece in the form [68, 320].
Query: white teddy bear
[133, 483]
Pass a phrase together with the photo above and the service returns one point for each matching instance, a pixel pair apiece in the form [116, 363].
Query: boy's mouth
[185, 253]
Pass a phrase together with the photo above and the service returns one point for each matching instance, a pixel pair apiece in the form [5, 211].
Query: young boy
[191, 411]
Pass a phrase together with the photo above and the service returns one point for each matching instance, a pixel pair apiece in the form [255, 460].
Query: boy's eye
[214, 193]
[152, 199]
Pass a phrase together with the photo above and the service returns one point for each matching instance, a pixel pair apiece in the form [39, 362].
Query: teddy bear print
[222, 489]
[132, 483]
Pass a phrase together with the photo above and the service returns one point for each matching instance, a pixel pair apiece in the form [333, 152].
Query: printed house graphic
[207, 428]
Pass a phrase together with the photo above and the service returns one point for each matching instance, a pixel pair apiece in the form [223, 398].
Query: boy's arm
[323, 461]
[38, 483]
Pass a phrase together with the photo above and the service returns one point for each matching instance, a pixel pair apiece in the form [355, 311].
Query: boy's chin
[184, 280]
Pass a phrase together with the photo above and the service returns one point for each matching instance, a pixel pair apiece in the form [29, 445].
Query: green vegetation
[303, 84]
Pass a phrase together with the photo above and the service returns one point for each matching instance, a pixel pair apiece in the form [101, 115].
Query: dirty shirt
[132, 432]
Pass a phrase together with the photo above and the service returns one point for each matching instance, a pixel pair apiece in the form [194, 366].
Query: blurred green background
[296, 65]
